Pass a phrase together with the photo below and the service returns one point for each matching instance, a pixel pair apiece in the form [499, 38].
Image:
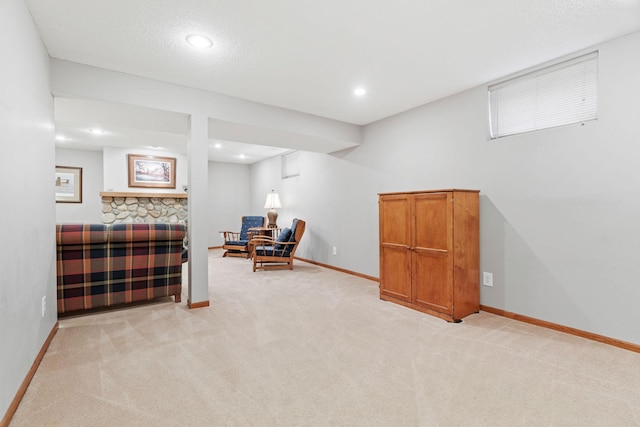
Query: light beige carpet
[315, 347]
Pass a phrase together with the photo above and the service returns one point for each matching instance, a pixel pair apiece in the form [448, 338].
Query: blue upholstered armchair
[236, 243]
[270, 253]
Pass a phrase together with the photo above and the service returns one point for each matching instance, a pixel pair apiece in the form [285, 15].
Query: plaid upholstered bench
[103, 265]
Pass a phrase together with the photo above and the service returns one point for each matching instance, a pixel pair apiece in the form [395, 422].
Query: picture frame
[68, 184]
[152, 171]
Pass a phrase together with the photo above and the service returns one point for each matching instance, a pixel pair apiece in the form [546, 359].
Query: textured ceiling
[310, 55]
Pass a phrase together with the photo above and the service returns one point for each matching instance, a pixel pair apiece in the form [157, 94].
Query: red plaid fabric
[101, 266]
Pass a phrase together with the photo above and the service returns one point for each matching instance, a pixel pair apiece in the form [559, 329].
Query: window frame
[568, 88]
[290, 164]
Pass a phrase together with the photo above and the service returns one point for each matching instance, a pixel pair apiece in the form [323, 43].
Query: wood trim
[132, 194]
[561, 328]
[13, 407]
[448, 190]
[342, 270]
[566, 329]
[215, 247]
[200, 304]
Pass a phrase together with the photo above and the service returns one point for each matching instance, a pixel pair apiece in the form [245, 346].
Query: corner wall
[27, 164]
[559, 207]
[90, 210]
[229, 198]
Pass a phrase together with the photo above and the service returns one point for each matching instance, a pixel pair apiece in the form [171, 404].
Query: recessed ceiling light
[217, 145]
[360, 91]
[241, 156]
[61, 138]
[155, 147]
[199, 41]
[97, 131]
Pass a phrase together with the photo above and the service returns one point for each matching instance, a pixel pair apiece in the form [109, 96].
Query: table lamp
[272, 203]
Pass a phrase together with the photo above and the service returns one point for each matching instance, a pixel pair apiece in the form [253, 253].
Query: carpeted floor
[315, 347]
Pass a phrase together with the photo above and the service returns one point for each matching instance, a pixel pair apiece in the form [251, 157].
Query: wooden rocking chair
[236, 243]
[269, 253]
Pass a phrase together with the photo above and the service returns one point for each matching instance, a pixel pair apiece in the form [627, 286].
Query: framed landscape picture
[68, 184]
[152, 171]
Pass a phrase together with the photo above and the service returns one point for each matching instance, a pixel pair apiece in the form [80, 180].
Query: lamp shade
[273, 201]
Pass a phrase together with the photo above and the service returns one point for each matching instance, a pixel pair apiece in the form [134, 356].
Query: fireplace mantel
[156, 195]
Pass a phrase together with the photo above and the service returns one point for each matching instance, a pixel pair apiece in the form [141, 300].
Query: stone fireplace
[144, 208]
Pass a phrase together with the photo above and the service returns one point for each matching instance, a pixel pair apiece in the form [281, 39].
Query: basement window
[290, 165]
[562, 94]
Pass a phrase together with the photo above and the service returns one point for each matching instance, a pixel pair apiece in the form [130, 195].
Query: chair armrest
[279, 248]
[261, 238]
[252, 234]
[230, 235]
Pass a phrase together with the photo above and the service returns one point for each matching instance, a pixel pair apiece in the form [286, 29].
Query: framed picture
[152, 171]
[68, 184]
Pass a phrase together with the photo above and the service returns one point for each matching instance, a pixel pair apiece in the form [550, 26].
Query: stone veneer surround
[144, 208]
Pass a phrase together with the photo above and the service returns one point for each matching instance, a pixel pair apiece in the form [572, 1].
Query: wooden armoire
[430, 251]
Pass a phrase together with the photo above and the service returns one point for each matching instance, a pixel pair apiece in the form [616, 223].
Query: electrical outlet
[335, 250]
[44, 305]
[487, 278]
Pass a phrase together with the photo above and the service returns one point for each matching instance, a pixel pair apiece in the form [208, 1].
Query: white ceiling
[309, 55]
[141, 128]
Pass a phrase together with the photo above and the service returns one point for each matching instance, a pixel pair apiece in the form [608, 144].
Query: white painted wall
[90, 210]
[559, 208]
[337, 199]
[229, 198]
[27, 164]
[116, 170]
[265, 177]
[198, 165]
[75, 80]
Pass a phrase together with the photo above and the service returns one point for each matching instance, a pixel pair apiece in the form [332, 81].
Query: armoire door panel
[395, 279]
[432, 223]
[432, 286]
[395, 218]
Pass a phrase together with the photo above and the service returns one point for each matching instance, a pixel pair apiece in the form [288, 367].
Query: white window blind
[290, 164]
[561, 94]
